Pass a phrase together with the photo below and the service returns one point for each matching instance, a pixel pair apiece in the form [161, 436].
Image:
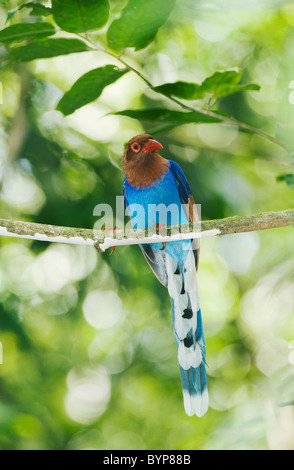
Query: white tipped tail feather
[183, 288]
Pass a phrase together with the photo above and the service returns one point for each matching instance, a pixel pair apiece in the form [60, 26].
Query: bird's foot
[160, 228]
[113, 247]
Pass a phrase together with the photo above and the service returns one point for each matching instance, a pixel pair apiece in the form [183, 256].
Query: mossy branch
[104, 239]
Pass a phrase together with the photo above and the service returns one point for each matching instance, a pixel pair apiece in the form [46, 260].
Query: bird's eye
[136, 147]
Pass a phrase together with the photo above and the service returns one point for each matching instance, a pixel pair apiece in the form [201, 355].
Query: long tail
[183, 288]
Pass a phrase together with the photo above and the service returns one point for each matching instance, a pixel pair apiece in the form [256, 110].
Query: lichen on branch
[104, 239]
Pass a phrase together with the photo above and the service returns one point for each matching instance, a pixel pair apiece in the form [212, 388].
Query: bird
[152, 181]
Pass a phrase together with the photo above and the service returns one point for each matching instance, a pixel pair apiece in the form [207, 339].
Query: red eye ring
[136, 147]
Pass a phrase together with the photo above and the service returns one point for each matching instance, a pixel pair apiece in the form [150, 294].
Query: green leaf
[138, 23]
[19, 32]
[167, 116]
[48, 48]
[289, 179]
[219, 84]
[248, 87]
[77, 16]
[225, 83]
[37, 10]
[89, 87]
[182, 90]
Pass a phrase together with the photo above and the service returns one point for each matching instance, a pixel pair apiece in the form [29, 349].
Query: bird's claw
[113, 247]
[160, 228]
[112, 250]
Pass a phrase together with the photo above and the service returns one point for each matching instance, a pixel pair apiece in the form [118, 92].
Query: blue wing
[181, 182]
[188, 199]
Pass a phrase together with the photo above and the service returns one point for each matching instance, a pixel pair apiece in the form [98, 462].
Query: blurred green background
[89, 358]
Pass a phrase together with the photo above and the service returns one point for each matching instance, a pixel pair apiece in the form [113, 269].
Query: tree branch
[105, 239]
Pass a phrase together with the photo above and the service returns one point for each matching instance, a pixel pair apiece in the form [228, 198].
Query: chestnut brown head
[139, 147]
[141, 163]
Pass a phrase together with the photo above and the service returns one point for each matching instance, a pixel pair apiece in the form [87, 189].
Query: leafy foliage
[167, 116]
[49, 48]
[219, 84]
[136, 27]
[89, 87]
[77, 16]
[138, 23]
[37, 9]
[20, 32]
[288, 178]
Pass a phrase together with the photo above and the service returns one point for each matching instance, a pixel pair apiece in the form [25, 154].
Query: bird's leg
[113, 247]
[160, 228]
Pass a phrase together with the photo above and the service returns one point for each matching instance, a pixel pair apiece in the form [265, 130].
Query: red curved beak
[151, 145]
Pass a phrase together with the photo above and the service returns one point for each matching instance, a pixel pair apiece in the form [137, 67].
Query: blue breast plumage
[159, 203]
[163, 191]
